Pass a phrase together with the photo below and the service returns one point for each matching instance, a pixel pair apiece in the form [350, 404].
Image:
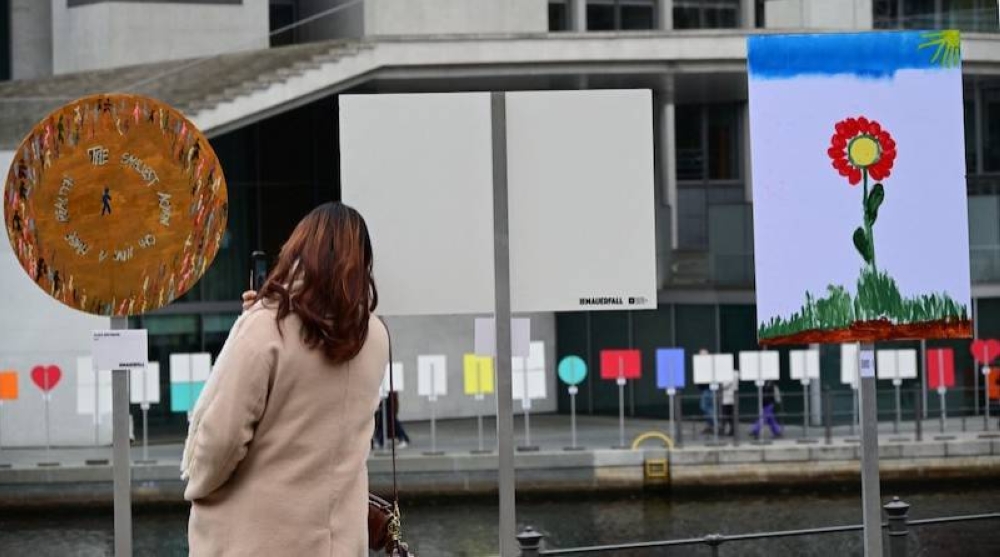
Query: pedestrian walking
[772, 397]
[396, 430]
[728, 403]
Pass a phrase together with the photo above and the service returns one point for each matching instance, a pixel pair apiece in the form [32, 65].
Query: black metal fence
[897, 528]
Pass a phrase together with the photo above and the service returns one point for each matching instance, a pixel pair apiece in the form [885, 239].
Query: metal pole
[871, 498]
[97, 405]
[673, 422]
[434, 437]
[527, 423]
[760, 409]
[145, 432]
[805, 408]
[121, 461]
[941, 393]
[621, 413]
[45, 397]
[501, 259]
[715, 412]
[896, 512]
[854, 408]
[918, 416]
[923, 376]
[572, 415]
[479, 418]
[828, 414]
[975, 376]
[986, 397]
[736, 415]
[679, 440]
[896, 383]
[942, 389]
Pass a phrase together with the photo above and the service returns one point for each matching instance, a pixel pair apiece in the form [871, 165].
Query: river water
[468, 527]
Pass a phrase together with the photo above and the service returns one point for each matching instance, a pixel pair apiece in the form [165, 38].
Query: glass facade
[706, 14]
[966, 15]
[621, 15]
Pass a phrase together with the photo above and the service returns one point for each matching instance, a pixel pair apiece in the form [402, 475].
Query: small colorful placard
[625, 364]
[486, 337]
[397, 379]
[477, 374]
[849, 364]
[985, 350]
[804, 364]
[528, 380]
[93, 388]
[432, 375]
[761, 365]
[46, 377]
[188, 374]
[144, 387]
[572, 370]
[712, 369]
[120, 349]
[670, 368]
[8, 385]
[896, 364]
[940, 368]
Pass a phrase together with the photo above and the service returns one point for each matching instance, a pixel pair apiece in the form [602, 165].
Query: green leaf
[862, 244]
[872, 204]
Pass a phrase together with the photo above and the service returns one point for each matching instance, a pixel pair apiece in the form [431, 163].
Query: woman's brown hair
[324, 276]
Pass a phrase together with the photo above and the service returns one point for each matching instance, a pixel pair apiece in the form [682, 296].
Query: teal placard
[184, 395]
[572, 370]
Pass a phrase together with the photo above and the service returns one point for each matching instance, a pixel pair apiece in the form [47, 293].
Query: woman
[276, 453]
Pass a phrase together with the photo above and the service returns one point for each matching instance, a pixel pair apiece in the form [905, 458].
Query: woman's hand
[248, 299]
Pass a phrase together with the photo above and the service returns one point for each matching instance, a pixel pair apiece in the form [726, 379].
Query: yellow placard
[478, 374]
[8, 385]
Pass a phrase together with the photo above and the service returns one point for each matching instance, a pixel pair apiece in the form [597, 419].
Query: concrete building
[266, 94]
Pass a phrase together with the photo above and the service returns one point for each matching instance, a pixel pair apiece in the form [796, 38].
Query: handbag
[385, 530]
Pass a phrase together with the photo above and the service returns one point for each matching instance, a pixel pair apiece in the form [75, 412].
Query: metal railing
[897, 528]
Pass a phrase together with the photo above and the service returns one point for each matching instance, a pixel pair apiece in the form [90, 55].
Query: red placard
[985, 350]
[621, 363]
[940, 368]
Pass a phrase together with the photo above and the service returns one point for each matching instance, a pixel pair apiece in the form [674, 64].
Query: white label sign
[529, 381]
[144, 387]
[760, 365]
[804, 364]
[897, 364]
[713, 369]
[397, 379]
[93, 389]
[120, 349]
[849, 364]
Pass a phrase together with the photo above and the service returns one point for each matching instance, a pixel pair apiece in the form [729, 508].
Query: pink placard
[940, 368]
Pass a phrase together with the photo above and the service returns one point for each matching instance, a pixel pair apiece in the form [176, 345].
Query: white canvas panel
[144, 384]
[573, 245]
[90, 380]
[723, 368]
[432, 375]
[804, 364]
[180, 368]
[750, 366]
[486, 339]
[528, 383]
[770, 365]
[702, 366]
[397, 379]
[906, 363]
[849, 364]
[886, 364]
[201, 366]
[419, 167]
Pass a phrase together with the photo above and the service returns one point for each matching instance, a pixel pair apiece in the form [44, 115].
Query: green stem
[868, 228]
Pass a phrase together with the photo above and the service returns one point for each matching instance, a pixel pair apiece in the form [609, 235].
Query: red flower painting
[860, 149]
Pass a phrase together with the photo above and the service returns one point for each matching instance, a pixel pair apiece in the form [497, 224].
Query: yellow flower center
[863, 151]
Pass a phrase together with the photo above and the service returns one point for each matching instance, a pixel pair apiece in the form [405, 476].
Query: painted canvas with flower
[859, 195]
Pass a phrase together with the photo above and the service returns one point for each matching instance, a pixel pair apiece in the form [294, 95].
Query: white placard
[186, 367]
[144, 384]
[486, 337]
[713, 368]
[92, 388]
[120, 349]
[804, 364]
[420, 168]
[397, 379]
[760, 365]
[897, 364]
[528, 380]
[849, 364]
[432, 376]
[749, 366]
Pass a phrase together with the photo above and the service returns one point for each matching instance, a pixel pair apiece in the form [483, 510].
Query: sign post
[572, 372]
[760, 367]
[620, 366]
[385, 393]
[478, 376]
[713, 370]
[941, 377]
[8, 391]
[432, 382]
[897, 365]
[805, 368]
[849, 376]
[145, 390]
[670, 377]
[984, 352]
[529, 383]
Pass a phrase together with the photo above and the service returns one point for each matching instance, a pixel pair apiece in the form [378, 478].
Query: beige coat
[276, 453]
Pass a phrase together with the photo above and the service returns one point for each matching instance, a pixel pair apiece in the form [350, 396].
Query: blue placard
[670, 368]
[572, 370]
[183, 396]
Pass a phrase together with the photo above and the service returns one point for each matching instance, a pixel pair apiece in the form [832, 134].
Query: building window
[621, 15]
[559, 16]
[990, 120]
[706, 14]
[966, 15]
[282, 14]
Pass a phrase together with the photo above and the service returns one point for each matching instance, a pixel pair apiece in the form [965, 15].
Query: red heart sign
[985, 350]
[46, 377]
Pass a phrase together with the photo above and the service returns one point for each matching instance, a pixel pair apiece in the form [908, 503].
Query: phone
[258, 270]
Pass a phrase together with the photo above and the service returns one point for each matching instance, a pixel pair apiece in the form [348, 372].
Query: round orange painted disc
[115, 204]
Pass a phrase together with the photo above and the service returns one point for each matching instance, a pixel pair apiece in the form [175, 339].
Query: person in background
[772, 397]
[728, 403]
[277, 450]
[395, 426]
[707, 404]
